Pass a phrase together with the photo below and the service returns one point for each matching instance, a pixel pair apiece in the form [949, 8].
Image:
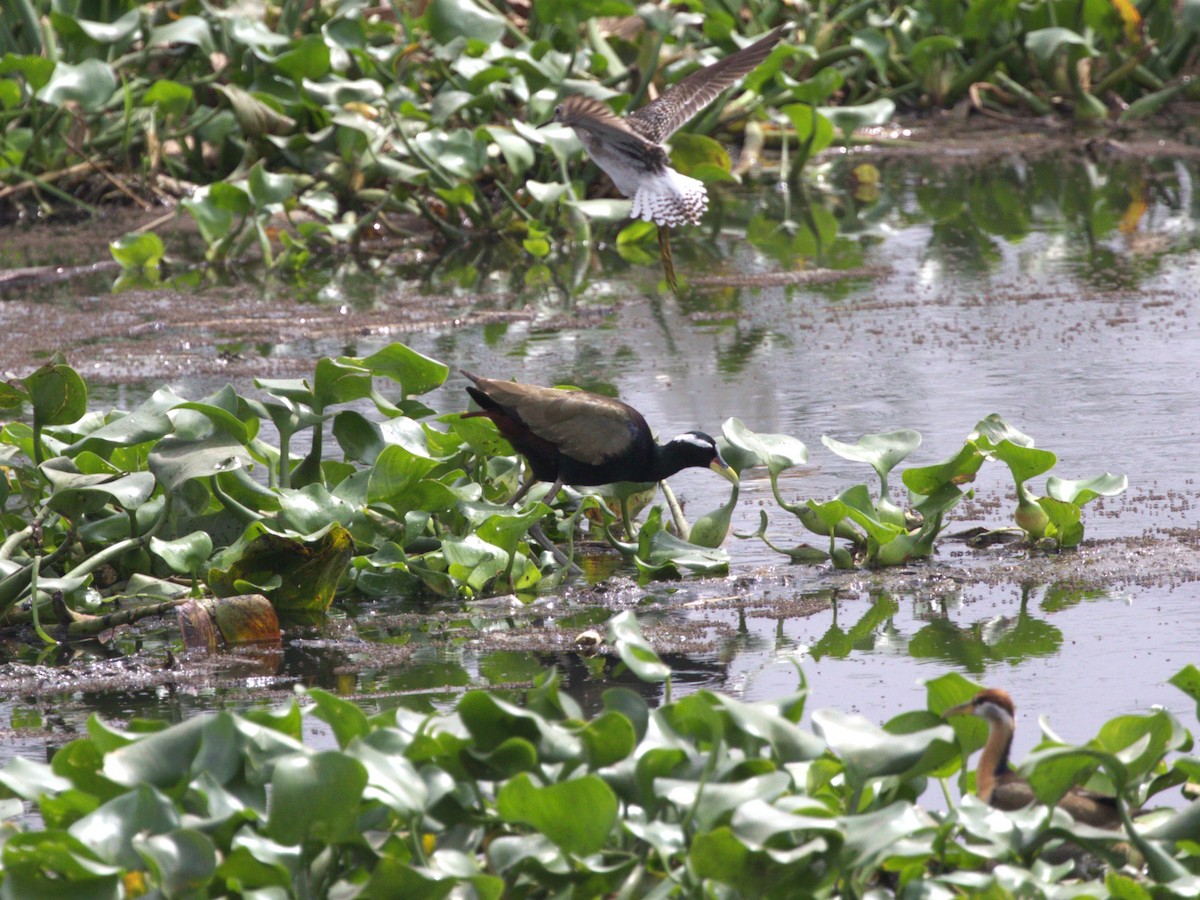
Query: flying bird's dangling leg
[664, 249]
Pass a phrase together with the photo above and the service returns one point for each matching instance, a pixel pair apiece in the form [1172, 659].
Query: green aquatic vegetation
[880, 533]
[509, 794]
[308, 128]
[401, 503]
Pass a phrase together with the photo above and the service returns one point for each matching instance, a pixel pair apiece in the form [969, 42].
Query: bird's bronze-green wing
[585, 426]
[657, 121]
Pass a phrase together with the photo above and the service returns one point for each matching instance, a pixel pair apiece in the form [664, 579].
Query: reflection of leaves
[839, 644]
[974, 647]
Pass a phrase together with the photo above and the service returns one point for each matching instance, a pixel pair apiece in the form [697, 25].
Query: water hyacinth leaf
[882, 452]
[337, 381]
[625, 634]
[191, 30]
[416, 373]
[1054, 771]
[474, 561]
[269, 189]
[449, 19]
[775, 451]
[602, 210]
[395, 472]
[1084, 491]
[58, 394]
[1187, 680]
[762, 722]
[548, 192]
[456, 153]
[491, 721]
[391, 778]
[90, 84]
[186, 554]
[517, 151]
[871, 752]
[315, 797]
[347, 720]
[181, 861]
[214, 222]
[1025, 461]
[175, 462]
[306, 58]
[111, 829]
[866, 115]
[72, 488]
[993, 429]
[576, 815]
[663, 555]
[713, 804]
[29, 780]
[813, 130]
[1066, 527]
[897, 830]
[958, 469]
[254, 115]
[138, 251]
[608, 739]
[701, 157]
[1045, 42]
[308, 509]
[299, 575]
[101, 32]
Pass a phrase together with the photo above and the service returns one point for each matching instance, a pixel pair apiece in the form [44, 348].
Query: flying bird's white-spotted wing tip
[670, 199]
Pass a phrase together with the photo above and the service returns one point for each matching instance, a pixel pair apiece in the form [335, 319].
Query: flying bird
[631, 149]
[581, 438]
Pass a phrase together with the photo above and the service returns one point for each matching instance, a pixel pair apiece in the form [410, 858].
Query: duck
[585, 439]
[997, 785]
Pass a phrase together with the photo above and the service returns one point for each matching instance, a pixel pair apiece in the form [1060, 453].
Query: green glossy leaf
[175, 462]
[181, 861]
[1086, 490]
[111, 829]
[869, 751]
[775, 451]
[1046, 42]
[58, 394]
[576, 815]
[448, 19]
[880, 451]
[90, 84]
[415, 373]
[625, 634]
[138, 251]
[314, 797]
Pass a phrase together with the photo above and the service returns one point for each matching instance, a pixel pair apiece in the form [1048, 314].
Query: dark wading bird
[997, 785]
[581, 438]
[631, 150]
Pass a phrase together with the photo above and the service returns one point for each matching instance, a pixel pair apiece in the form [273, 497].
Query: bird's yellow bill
[723, 469]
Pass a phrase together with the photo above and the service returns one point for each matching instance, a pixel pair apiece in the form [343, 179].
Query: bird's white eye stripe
[694, 440]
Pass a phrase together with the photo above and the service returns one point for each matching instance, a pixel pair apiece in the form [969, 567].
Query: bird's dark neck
[667, 459]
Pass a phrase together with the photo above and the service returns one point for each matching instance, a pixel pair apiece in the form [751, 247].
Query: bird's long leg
[522, 490]
[664, 249]
[559, 557]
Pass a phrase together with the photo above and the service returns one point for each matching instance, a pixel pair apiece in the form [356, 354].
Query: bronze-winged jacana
[997, 785]
[581, 438]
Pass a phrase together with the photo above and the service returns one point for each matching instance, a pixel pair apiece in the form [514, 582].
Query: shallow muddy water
[1060, 289]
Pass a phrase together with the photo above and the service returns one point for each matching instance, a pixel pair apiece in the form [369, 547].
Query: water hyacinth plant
[404, 502]
[316, 126]
[524, 794]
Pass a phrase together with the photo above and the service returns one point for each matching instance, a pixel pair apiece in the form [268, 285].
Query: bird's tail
[670, 199]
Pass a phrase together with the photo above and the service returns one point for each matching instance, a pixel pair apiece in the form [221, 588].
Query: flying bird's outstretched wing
[659, 120]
